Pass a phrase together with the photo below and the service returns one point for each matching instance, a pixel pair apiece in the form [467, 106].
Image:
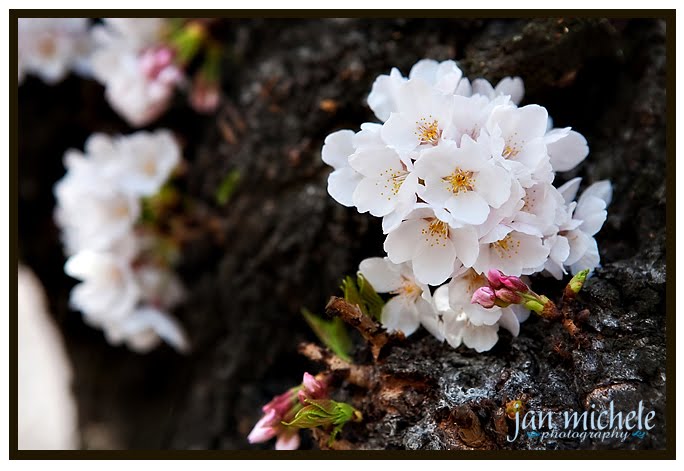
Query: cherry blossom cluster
[462, 178]
[140, 61]
[125, 289]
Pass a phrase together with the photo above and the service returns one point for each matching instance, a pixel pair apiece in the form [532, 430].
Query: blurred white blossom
[121, 290]
[136, 68]
[52, 47]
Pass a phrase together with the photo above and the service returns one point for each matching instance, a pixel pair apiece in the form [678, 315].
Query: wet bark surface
[281, 243]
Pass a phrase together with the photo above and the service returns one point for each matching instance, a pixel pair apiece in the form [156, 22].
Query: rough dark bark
[281, 243]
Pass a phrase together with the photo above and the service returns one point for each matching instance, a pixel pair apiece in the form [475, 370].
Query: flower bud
[575, 285]
[514, 283]
[265, 429]
[281, 404]
[484, 296]
[312, 388]
[494, 278]
[508, 296]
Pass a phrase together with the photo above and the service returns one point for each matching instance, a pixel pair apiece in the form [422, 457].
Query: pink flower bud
[281, 404]
[313, 387]
[205, 96]
[514, 283]
[508, 296]
[484, 296]
[265, 429]
[494, 278]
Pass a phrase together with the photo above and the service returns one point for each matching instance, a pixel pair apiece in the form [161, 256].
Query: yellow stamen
[428, 131]
[408, 288]
[510, 151]
[460, 181]
[506, 247]
[437, 232]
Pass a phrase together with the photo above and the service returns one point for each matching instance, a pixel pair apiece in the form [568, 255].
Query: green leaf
[370, 297]
[227, 187]
[362, 293]
[332, 333]
[324, 413]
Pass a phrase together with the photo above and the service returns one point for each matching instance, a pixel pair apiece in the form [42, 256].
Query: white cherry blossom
[411, 300]
[434, 248]
[445, 77]
[459, 179]
[513, 252]
[386, 181]
[457, 329]
[518, 141]
[144, 162]
[422, 115]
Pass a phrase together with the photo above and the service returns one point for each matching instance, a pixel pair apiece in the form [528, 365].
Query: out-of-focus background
[278, 243]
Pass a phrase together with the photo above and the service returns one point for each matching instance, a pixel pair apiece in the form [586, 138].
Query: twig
[358, 375]
[371, 330]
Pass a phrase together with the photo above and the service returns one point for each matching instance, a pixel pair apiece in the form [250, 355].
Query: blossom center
[428, 130]
[437, 232]
[150, 168]
[510, 151]
[393, 181]
[460, 181]
[121, 211]
[408, 288]
[47, 47]
[505, 246]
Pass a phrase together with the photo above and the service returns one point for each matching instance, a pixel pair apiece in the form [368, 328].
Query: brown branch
[358, 375]
[370, 329]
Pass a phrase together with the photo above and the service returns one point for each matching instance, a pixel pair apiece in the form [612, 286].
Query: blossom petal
[433, 265]
[509, 321]
[337, 148]
[374, 196]
[400, 134]
[512, 86]
[400, 314]
[288, 440]
[468, 207]
[466, 245]
[341, 185]
[494, 184]
[379, 273]
[566, 153]
[480, 338]
[402, 242]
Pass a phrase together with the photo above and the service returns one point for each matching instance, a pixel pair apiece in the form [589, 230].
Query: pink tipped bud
[508, 296]
[484, 296]
[265, 429]
[314, 387]
[281, 404]
[205, 96]
[514, 283]
[494, 278]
